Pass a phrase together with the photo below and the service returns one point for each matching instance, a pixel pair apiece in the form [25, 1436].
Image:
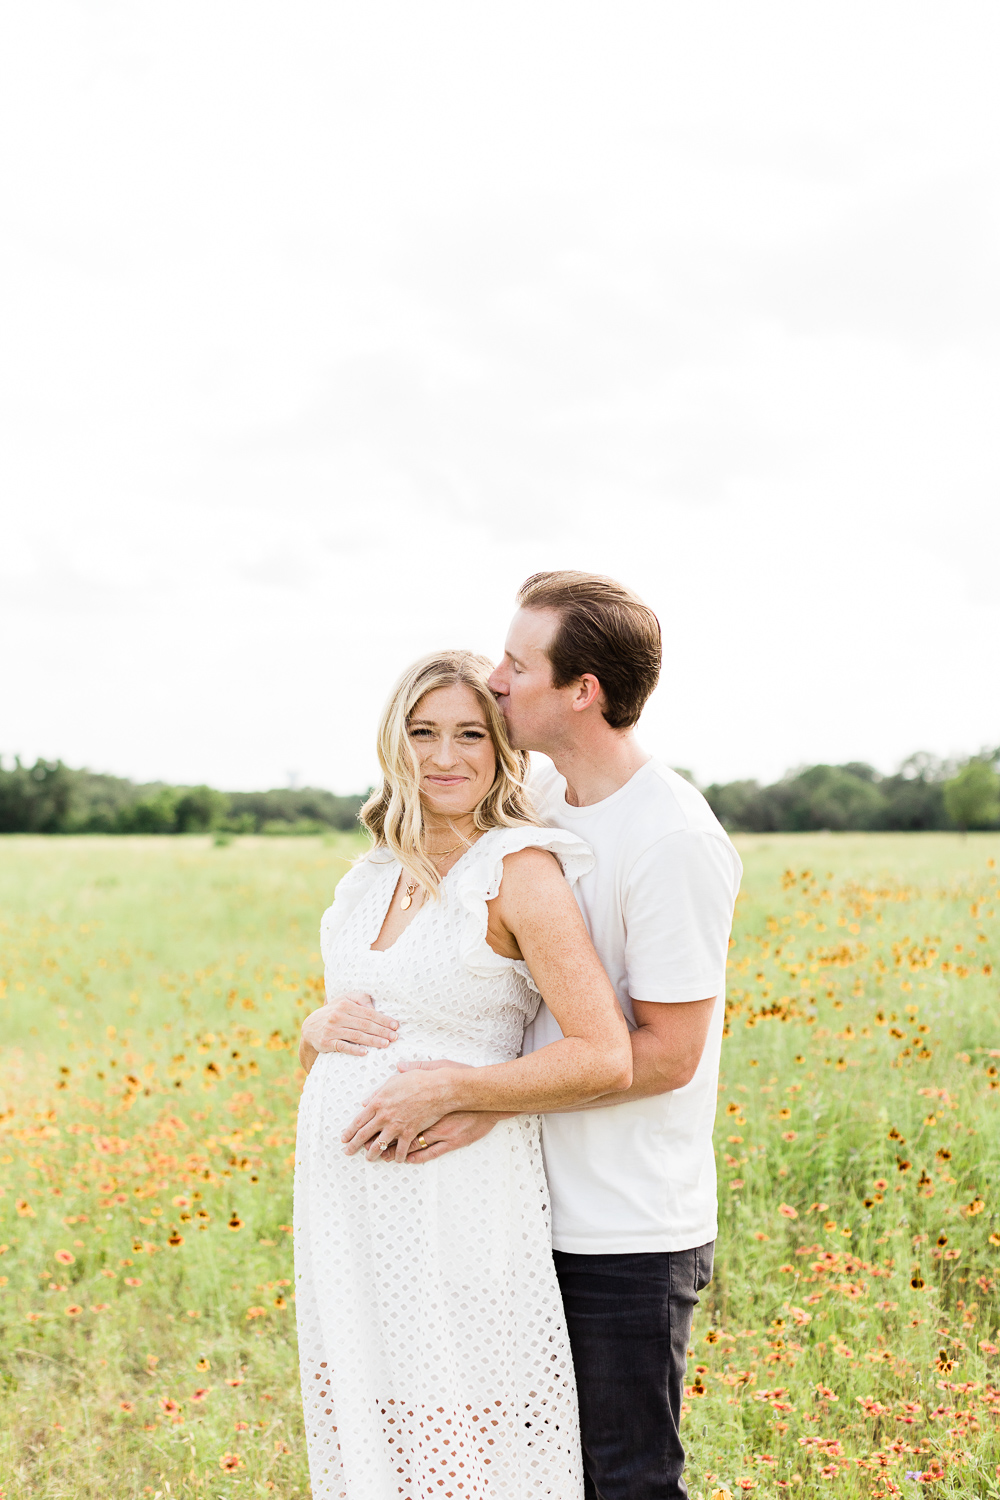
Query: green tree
[914, 797]
[835, 797]
[739, 806]
[35, 799]
[972, 798]
[98, 801]
[293, 807]
[157, 814]
[200, 809]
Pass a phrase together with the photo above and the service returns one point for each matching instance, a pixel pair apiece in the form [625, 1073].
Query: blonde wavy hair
[393, 814]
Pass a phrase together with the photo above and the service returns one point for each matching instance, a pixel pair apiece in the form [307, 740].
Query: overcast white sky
[324, 324]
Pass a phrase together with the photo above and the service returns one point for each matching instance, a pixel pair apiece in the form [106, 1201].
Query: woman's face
[455, 754]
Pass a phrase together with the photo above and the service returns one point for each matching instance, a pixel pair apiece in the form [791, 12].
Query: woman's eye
[473, 734]
[419, 734]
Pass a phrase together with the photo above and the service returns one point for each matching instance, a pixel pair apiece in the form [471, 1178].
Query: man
[632, 1179]
[632, 1175]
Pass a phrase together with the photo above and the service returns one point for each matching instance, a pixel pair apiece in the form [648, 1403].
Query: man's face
[537, 714]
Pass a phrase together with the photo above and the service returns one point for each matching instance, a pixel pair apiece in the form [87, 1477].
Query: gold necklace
[407, 900]
[410, 886]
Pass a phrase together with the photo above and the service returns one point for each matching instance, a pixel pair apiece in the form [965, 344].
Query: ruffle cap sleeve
[480, 880]
[352, 888]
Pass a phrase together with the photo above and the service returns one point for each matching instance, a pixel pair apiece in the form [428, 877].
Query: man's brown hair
[604, 629]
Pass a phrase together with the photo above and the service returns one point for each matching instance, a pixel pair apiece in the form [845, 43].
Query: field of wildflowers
[150, 994]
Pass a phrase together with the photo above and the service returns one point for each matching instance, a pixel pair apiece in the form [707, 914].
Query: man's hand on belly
[463, 1128]
[451, 1131]
[455, 1131]
[402, 1108]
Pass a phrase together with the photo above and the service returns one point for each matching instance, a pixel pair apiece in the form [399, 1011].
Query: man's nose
[496, 682]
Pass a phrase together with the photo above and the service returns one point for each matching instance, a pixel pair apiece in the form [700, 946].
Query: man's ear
[588, 690]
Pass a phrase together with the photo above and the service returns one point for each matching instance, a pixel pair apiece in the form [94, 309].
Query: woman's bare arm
[534, 917]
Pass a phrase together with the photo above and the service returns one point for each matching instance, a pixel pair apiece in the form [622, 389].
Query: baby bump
[337, 1088]
[485, 1186]
[338, 1083]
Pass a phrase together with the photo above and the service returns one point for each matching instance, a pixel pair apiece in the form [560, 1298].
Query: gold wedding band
[421, 1142]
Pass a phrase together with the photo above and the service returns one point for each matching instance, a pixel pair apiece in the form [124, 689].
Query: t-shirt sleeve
[678, 908]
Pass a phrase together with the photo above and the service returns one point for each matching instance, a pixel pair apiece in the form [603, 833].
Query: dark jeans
[629, 1320]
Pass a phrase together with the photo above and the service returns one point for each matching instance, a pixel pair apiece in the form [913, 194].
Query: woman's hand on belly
[408, 1103]
[348, 1023]
[451, 1134]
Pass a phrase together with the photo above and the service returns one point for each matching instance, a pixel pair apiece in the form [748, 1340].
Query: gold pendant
[406, 901]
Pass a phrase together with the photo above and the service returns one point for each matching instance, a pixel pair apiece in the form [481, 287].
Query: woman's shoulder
[499, 853]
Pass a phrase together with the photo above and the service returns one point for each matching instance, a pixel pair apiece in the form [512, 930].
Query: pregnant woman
[433, 1347]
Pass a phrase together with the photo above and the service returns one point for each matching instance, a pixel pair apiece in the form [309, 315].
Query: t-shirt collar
[562, 808]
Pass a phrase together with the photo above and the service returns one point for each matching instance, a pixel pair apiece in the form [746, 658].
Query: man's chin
[519, 741]
[510, 728]
[519, 738]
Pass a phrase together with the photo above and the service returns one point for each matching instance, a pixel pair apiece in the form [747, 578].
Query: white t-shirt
[658, 905]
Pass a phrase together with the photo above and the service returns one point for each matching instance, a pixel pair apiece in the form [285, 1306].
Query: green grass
[150, 993]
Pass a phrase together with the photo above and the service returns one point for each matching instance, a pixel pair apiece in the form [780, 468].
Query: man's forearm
[652, 1074]
[529, 1085]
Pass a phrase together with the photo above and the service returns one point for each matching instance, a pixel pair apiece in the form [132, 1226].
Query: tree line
[925, 793]
[50, 797]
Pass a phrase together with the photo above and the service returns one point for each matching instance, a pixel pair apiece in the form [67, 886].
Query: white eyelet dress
[432, 1341]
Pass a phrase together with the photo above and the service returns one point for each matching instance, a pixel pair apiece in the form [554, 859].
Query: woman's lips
[446, 780]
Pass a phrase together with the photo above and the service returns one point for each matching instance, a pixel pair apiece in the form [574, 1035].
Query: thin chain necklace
[411, 886]
[443, 853]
